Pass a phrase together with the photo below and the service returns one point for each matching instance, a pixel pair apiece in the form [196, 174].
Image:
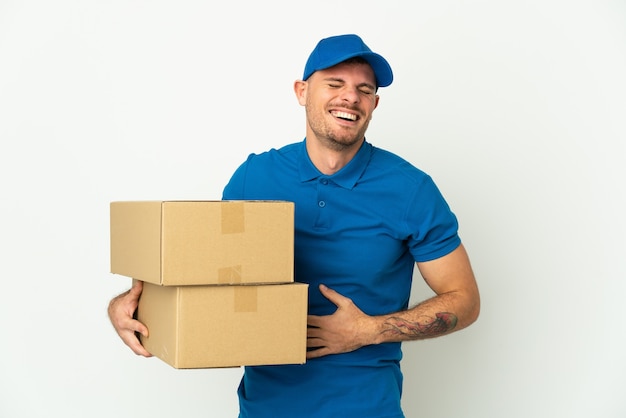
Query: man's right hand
[121, 311]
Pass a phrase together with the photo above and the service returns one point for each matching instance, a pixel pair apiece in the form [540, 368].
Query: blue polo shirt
[359, 231]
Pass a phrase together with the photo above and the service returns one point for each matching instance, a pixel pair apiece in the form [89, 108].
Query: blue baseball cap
[337, 49]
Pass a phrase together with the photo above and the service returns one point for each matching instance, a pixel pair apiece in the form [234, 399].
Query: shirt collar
[347, 177]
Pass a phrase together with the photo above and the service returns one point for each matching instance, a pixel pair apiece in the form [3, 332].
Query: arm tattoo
[442, 323]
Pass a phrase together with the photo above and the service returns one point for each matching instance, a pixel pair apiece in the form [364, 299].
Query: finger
[140, 328]
[130, 336]
[320, 352]
[132, 326]
[136, 289]
[314, 343]
[131, 340]
[313, 333]
[314, 321]
[332, 295]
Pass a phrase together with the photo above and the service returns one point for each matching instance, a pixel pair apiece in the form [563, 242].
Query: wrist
[374, 330]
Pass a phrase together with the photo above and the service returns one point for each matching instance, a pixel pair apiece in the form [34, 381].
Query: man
[364, 217]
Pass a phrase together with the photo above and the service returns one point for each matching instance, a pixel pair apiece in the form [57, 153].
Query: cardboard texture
[175, 243]
[225, 326]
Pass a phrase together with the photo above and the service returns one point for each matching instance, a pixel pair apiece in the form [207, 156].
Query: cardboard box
[225, 326]
[174, 243]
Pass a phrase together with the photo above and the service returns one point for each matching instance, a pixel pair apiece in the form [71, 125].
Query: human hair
[356, 60]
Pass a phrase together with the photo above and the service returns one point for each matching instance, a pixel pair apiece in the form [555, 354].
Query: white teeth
[344, 115]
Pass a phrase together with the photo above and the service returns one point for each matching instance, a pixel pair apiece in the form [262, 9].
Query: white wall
[517, 109]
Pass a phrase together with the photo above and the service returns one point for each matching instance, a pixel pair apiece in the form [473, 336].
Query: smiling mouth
[344, 115]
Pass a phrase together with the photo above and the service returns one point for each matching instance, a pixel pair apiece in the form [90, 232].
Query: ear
[300, 88]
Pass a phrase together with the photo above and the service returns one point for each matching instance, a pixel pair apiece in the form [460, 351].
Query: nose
[350, 94]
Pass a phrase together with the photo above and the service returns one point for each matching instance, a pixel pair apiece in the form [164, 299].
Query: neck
[327, 159]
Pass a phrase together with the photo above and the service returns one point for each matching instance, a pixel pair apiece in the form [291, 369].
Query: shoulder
[284, 156]
[413, 189]
[261, 171]
[285, 152]
[391, 165]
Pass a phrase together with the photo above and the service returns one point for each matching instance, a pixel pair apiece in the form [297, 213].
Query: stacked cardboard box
[219, 289]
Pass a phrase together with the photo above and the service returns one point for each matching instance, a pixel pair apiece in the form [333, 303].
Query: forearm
[437, 316]
[455, 306]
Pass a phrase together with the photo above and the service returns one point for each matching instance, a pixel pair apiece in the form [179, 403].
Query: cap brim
[382, 69]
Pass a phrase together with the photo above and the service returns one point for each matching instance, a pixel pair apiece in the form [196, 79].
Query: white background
[517, 109]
